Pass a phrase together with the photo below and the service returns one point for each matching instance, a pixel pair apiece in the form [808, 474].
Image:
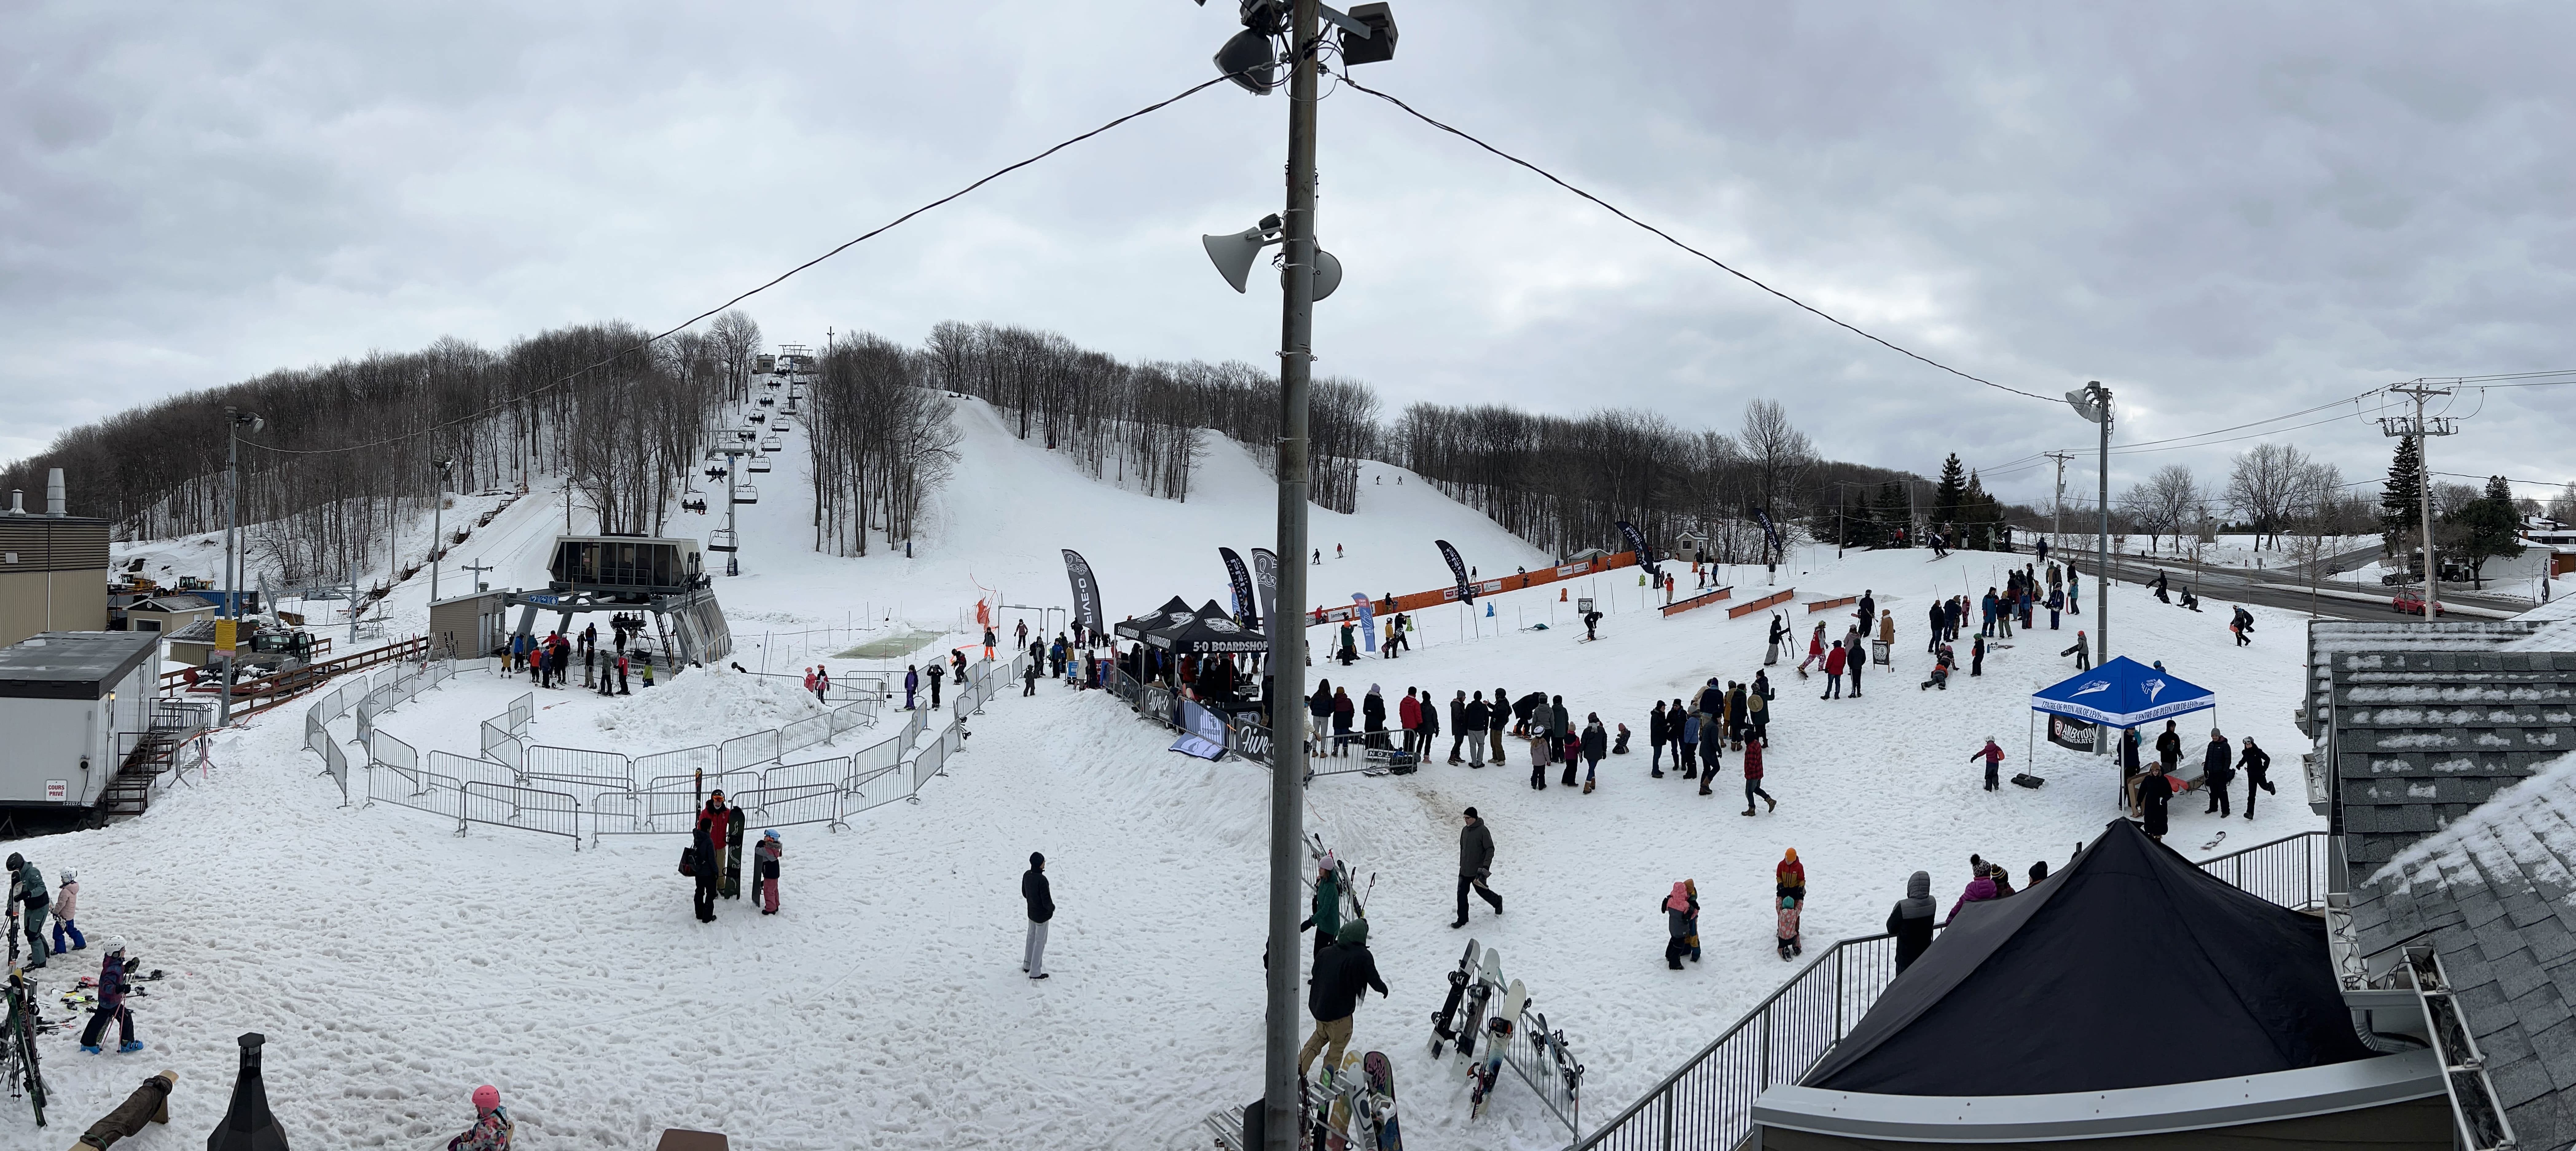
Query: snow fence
[582, 793]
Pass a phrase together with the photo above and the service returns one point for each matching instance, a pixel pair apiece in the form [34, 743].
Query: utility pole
[2422, 429]
[1280, 1091]
[437, 530]
[2057, 515]
[478, 567]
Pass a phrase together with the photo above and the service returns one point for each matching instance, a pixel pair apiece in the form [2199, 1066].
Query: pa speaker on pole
[1233, 254]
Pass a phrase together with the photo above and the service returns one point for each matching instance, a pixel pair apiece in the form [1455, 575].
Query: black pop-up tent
[1206, 630]
[1173, 611]
[2130, 968]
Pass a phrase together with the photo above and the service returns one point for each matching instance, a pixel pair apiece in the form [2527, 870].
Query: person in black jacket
[1656, 734]
[1343, 972]
[1596, 743]
[2256, 764]
[1458, 728]
[1373, 719]
[1041, 901]
[2216, 771]
[2155, 791]
[1911, 920]
[1496, 719]
[2169, 748]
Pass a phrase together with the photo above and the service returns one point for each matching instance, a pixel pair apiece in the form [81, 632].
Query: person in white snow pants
[1033, 888]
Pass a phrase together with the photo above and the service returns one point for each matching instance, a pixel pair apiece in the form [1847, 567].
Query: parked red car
[2412, 604]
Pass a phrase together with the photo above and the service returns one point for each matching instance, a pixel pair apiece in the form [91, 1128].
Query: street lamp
[1253, 58]
[228, 626]
[2093, 402]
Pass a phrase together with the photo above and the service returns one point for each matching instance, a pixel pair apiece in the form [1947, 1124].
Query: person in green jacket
[27, 886]
[1326, 915]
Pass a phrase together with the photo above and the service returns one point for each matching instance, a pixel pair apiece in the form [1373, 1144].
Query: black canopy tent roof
[2130, 968]
[1209, 629]
[1173, 611]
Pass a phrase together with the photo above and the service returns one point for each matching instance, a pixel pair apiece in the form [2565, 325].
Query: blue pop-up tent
[2122, 693]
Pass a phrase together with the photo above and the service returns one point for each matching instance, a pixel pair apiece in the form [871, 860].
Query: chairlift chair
[715, 471]
[760, 463]
[771, 444]
[768, 401]
[756, 418]
[721, 540]
[746, 494]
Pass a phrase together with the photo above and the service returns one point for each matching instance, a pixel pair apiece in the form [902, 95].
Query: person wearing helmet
[67, 897]
[764, 871]
[491, 1129]
[112, 983]
[27, 886]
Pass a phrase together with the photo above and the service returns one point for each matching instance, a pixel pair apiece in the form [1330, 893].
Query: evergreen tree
[1895, 511]
[1860, 528]
[2400, 507]
[1977, 515]
[1948, 495]
[2490, 521]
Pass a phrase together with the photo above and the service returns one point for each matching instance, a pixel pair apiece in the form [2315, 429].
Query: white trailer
[73, 704]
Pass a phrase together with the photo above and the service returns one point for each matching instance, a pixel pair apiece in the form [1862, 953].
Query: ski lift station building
[53, 568]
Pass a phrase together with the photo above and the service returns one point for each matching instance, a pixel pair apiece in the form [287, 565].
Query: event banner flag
[1242, 582]
[2074, 733]
[1368, 621]
[1458, 568]
[1086, 591]
[1768, 532]
[1646, 557]
[1265, 580]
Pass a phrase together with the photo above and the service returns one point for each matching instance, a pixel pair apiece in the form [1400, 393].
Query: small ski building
[73, 705]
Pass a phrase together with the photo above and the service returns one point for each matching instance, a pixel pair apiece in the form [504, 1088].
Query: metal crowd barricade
[384, 748]
[874, 789]
[335, 762]
[419, 790]
[804, 733]
[519, 808]
[1529, 1055]
[681, 762]
[793, 804]
[752, 750]
[584, 772]
[523, 711]
[927, 762]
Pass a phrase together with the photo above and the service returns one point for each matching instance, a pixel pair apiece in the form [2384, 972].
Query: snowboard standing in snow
[1498, 1033]
[1443, 1021]
[1480, 996]
[1381, 1087]
[731, 883]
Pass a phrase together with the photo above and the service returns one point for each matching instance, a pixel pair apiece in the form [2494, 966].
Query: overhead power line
[773, 282]
[1668, 238]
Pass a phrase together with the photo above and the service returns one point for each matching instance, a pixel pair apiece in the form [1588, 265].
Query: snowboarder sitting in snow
[491, 1130]
[1681, 922]
[1789, 927]
[764, 871]
[2189, 600]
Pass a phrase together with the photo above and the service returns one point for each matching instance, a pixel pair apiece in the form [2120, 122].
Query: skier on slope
[1591, 624]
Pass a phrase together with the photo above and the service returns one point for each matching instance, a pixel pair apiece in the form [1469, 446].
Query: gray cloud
[2224, 212]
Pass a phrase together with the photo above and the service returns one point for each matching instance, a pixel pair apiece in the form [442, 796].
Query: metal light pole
[234, 420]
[1288, 641]
[437, 529]
[2093, 402]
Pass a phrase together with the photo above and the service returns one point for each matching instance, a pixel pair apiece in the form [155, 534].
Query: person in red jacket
[1408, 714]
[1834, 658]
[1994, 757]
[1789, 879]
[1753, 782]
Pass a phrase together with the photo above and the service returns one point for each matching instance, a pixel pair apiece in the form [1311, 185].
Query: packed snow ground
[394, 966]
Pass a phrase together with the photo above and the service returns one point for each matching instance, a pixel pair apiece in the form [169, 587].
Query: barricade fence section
[748, 750]
[519, 808]
[384, 748]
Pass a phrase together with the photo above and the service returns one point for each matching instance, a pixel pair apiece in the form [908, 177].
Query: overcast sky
[2226, 212]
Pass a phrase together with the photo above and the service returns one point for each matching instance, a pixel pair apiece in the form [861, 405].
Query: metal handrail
[1657, 1116]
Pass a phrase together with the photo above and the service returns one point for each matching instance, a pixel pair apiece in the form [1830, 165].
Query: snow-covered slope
[394, 966]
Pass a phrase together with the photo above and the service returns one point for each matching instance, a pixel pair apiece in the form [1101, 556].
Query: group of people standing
[2151, 792]
[548, 659]
[1735, 716]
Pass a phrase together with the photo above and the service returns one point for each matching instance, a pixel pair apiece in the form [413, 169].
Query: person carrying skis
[1910, 921]
[114, 980]
[2217, 770]
[1343, 972]
[1475, 863]
[1040, 899]
[2253, 761]
[1993, 754]
[1779, 634]
[1596, 743]
[1834, 660]
[491, 1130]
[1753, 780]
[1324, 913]
[27, 888]
[67, 900]
[1681, 923]
[764, 870]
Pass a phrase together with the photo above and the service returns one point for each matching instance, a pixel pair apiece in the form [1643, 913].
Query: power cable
[1669, 239]
[782, 277]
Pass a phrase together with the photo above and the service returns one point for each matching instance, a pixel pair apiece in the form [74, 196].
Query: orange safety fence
[1742, 610]
[1389, 605]
[1814, 606]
